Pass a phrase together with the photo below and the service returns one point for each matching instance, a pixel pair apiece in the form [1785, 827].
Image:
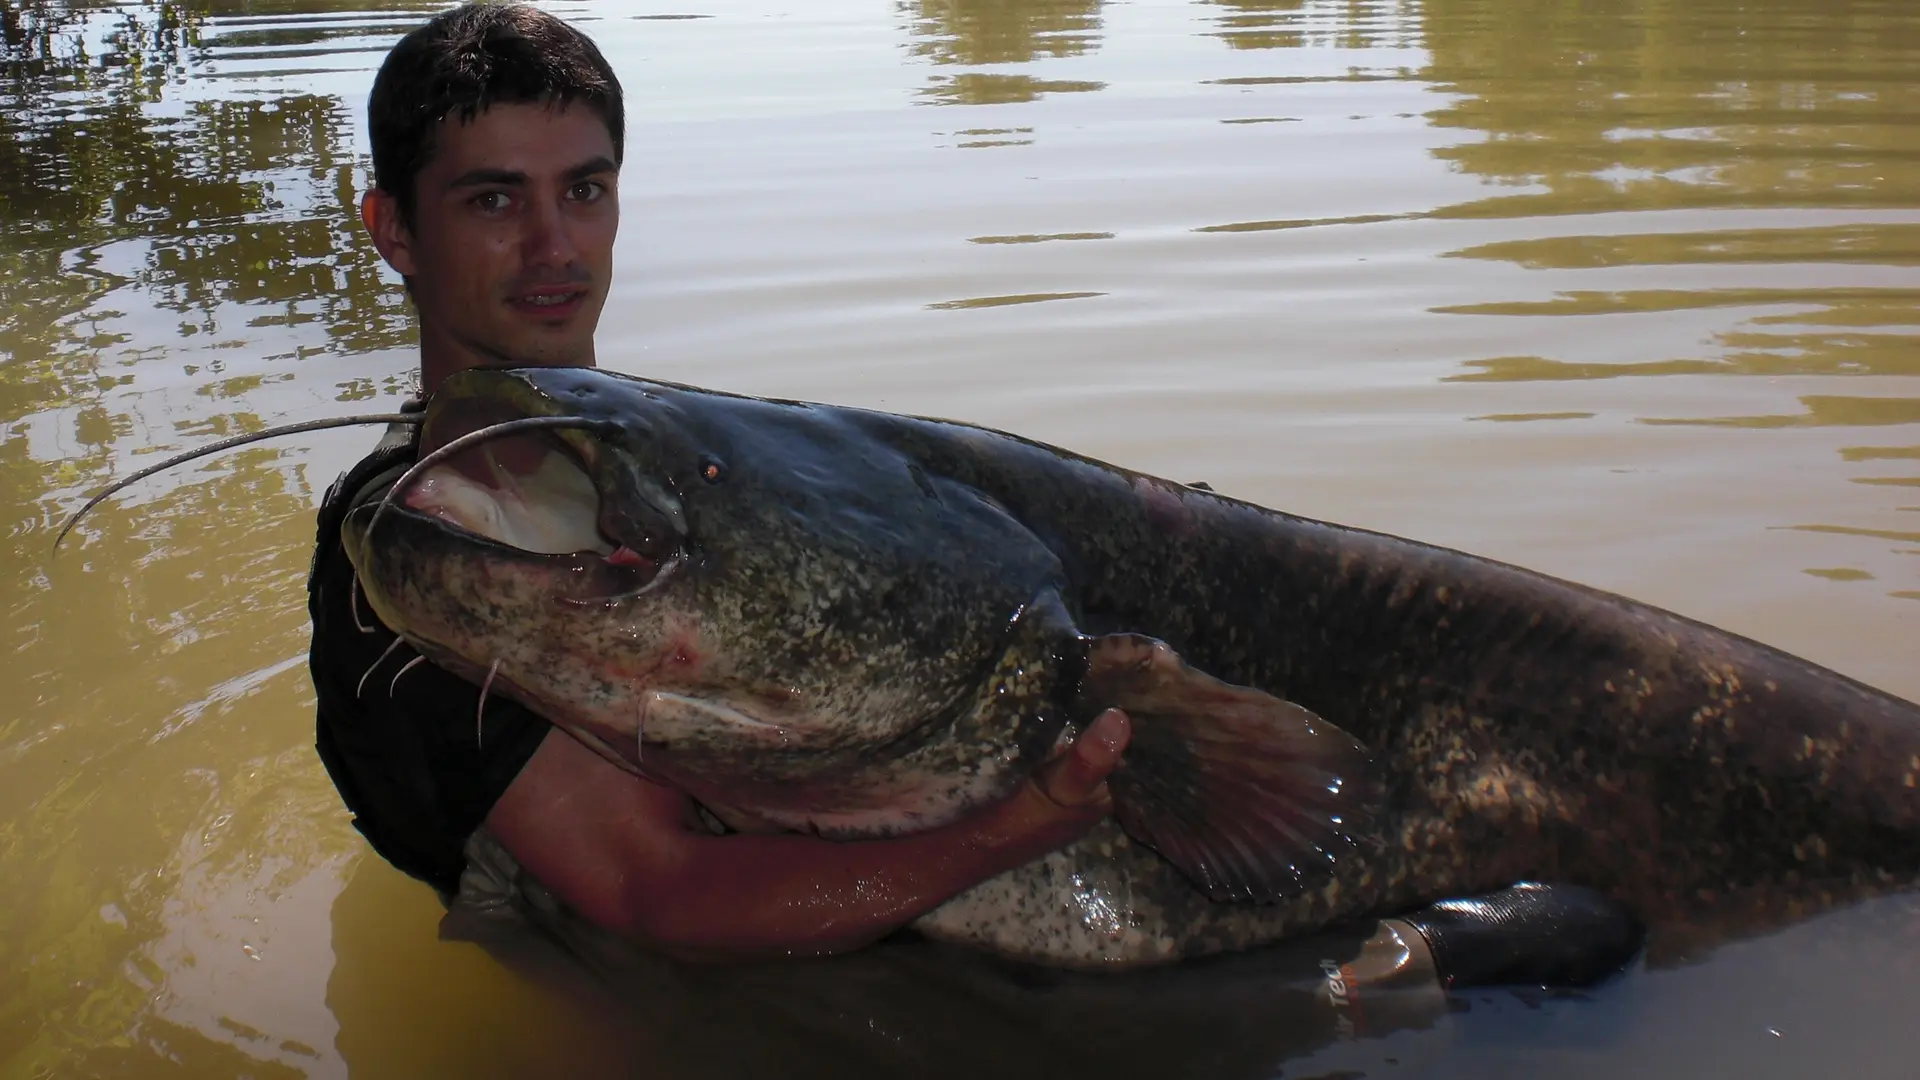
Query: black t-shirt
[404, 753]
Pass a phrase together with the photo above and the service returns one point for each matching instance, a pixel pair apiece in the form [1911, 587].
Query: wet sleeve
[412, 760]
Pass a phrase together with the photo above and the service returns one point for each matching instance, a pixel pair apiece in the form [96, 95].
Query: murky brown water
[1622, 290]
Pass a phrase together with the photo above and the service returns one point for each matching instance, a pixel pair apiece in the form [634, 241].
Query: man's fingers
[1106, 739]
[1075, 778]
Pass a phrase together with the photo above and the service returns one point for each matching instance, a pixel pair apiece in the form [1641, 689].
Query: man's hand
[627, 854]
[1076, 778]
[1068, 794]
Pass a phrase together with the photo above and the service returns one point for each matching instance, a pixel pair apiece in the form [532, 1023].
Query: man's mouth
[549, 304]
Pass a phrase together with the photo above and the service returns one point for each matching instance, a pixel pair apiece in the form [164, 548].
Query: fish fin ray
[1253, 798]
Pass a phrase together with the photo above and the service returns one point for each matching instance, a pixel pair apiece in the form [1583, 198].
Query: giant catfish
[857, 624]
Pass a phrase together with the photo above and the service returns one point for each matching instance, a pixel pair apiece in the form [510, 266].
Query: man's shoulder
[396, 445]
[362, 480]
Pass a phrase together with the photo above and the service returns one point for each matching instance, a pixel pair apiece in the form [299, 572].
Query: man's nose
[546, 239]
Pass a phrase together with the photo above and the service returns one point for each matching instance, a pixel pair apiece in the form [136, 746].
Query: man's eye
[589, 190]
[491, 200]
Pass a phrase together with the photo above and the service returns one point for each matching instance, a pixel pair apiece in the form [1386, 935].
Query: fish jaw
[575, 628]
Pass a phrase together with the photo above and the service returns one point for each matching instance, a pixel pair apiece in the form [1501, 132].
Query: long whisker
[228, 444]
[480, 710]
[353, 604]
[492, 431]
[361, 689]
[408, 666]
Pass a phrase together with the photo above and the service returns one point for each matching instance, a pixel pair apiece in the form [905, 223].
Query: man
[498, 133]
[497, 139]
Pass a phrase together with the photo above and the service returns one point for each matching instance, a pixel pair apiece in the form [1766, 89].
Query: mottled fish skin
[857, 587]
[1527, 727]
[1107, 901]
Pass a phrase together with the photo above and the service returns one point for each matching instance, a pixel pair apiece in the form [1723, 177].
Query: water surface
[1625, 291]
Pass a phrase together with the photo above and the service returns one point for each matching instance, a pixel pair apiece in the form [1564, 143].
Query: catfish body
[870, 623]
[1522, 726]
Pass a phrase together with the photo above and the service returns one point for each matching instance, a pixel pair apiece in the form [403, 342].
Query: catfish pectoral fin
[1252, 797]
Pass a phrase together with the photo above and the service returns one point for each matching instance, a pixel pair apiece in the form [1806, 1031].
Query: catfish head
[756, 601]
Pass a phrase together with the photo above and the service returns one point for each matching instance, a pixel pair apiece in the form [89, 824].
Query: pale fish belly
[1105, 901]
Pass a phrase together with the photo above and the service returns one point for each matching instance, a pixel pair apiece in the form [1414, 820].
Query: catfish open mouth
[522, 483]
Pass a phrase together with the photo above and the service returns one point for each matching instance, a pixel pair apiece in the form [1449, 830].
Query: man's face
[511, 247]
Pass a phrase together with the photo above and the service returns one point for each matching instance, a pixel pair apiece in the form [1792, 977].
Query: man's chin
[543, 347]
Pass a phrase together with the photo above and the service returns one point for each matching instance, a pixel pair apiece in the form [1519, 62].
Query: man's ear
[380, 213]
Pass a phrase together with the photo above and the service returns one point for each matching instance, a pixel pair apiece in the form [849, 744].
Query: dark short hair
[467, 60]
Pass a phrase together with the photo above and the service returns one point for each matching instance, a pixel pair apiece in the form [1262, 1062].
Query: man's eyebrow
[591, 167]
[480, 177]
[513, 178]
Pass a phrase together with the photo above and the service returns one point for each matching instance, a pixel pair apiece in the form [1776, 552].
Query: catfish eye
[712, 469]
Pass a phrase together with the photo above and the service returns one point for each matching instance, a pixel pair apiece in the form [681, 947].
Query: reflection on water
[1521, 417]
[1003, 301]
[1878, 534]
[1296, 24]
[1033, 239]
[1822, 410]
[1839, 573]
[1804, 354]
[983, 33]
[1882, 244]
[1261, 24]
[979, 138]
[1879, 453]
[979, 32]
[1407, 265]
[124, 184]
[1300, 223]
[44, 37]
[991, 88]
[1651, 104]
[1672, 108]
[1603, 115]
[171, 247]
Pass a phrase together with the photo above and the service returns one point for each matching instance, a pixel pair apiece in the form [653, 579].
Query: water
[1622, 291]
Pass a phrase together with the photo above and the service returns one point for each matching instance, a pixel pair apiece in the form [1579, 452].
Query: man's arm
[631, 855]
